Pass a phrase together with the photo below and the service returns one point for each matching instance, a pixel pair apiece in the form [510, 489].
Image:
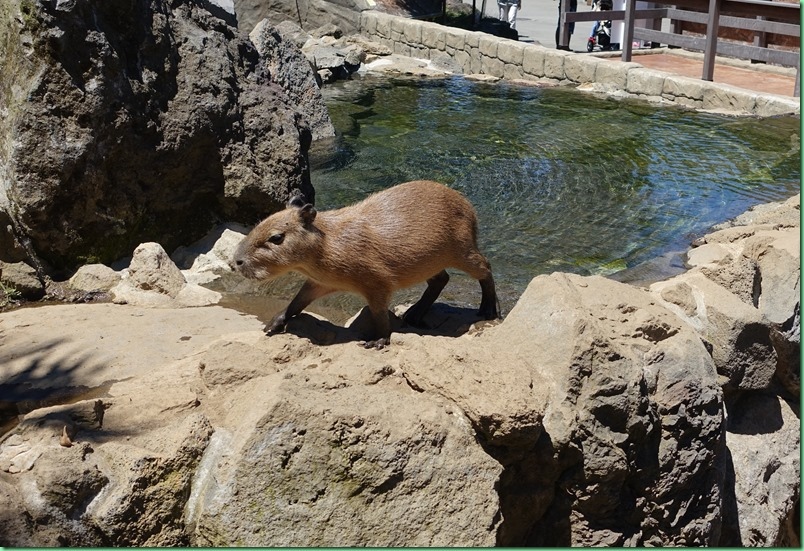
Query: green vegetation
[9, 296]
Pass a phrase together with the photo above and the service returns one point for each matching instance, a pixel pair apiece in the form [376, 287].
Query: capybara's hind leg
[489, 306]
[480, 269]
[415, 314]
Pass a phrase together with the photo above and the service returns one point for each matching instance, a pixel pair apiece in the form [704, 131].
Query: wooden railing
[760, 16]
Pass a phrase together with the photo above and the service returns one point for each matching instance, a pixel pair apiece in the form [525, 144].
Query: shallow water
[561, 180]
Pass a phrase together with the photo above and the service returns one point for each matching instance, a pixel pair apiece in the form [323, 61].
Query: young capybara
[391, 240]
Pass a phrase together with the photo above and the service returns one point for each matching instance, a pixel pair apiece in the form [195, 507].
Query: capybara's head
[278, 244]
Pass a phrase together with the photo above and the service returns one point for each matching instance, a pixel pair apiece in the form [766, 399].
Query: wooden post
[710, 49]
[628, 30]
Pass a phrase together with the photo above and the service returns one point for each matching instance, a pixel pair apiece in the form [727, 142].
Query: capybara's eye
[276, 238]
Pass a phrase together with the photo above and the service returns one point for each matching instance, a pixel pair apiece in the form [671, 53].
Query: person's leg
[513, 8]
[573, 6]
[558, 25]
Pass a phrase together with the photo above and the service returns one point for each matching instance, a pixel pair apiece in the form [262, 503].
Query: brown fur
[391, 240]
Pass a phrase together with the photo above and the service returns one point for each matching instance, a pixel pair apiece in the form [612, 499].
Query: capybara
[391, 240]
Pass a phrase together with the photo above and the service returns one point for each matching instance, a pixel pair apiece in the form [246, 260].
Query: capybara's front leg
[382, 325]
[309, 292]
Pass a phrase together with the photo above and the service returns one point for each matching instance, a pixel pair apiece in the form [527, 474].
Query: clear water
[561, 180]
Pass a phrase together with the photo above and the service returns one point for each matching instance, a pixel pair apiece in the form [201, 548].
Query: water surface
[561, 180]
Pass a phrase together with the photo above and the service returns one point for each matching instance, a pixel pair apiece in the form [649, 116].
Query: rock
[339, 61]
[739, 337]
[344, 471]
[308, 14]
[786, 340]
[21, 278]
[764, 442]
[154, 281]
[742, 295]
[291, 31]
[208, 258]
[327, 29]
[94, 278]
[152, 270]
[622, 461]
[396, 64]
[368, 46]
[290, 69]
[161, 121]
[785, 214]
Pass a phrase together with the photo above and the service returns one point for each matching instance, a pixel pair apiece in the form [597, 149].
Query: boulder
[763, 473]
[311, 467]
[159, 120]
[208, 258]
[308, 14]
[633, 424]
[153, 280]
[736, 331]
[291, 70]
[742, 295]
[21, 279]
[94, 278]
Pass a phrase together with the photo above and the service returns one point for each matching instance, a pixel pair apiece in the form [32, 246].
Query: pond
[561, 180]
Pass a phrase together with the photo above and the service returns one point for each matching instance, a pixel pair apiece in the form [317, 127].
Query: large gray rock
[633, 426]
[291, 70]
[22, 279]
[763, 473]
[136, 122]
[742, 296]
[308, 14]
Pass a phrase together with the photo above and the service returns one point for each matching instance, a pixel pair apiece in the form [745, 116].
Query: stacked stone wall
[480, 53]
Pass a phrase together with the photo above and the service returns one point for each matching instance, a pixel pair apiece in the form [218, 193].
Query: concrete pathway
[537, 20]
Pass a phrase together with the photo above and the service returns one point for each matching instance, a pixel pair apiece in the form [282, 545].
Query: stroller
[601, 32]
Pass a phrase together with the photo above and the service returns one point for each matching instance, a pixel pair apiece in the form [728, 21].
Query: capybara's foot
[276, 325]
[414, 317]
[377, 344]
[489, 311]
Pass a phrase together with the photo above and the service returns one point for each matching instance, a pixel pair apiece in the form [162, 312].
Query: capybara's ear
[297, 201]
[307, 213]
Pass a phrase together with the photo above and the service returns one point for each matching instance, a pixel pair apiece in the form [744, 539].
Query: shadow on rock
[442, 320]
[744, 415]
[36, 376]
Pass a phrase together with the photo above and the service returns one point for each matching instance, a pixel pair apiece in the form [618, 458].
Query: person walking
[571, 7]
[508, 10]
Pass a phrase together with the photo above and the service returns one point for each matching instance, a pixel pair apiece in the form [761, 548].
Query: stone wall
[480, 53]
